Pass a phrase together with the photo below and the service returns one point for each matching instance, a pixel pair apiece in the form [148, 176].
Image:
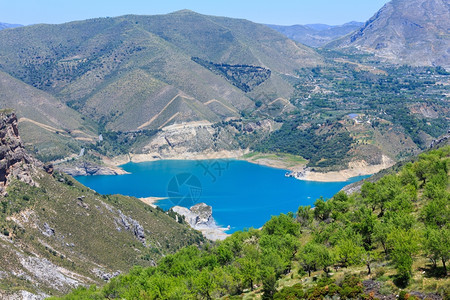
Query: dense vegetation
[321, 149]
[391, 233]
[244, 77]
[63, 224]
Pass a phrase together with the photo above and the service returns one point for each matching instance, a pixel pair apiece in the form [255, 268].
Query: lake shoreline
[297, 170]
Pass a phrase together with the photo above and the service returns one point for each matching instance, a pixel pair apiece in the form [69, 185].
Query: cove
[242, 194]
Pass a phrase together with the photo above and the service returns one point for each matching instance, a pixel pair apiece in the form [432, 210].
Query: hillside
[316, 35]
[50, 128]
[414, 32]
[56, 234]
[142, 66]
[391, 240]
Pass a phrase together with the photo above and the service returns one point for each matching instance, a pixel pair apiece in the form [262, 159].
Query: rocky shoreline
[89, 169]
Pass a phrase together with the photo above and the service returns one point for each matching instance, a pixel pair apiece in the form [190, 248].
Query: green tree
[404, 244]
[308, 257]
[368, 257]
[349, 251]
[339, 204]
[381, 231]
[269, 282]
[249, 264]
[204, 284]
[365, 225]
[437, 245]
[313, 256]
[282, 225]
[305, 215]
[322, 209]
[437, 211]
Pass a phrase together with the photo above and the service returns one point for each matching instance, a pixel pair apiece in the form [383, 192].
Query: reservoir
[242, 194]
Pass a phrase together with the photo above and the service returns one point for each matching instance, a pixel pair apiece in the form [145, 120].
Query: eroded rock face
[195, 137]
[14, 160]
[199, 215]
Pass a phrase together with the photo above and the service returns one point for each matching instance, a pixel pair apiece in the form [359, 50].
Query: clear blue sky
[282, 12]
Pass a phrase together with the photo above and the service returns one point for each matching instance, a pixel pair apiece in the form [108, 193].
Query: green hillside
[139, 64]
[390, 239]
[78, 235]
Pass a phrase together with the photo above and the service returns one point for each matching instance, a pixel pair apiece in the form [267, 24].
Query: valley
[219, 101]
[139, 152]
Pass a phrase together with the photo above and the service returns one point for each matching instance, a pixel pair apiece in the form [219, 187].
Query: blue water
[242, 194]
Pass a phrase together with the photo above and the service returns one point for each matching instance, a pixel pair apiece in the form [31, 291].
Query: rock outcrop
[15, 162]
[441, 141]
[200, 218]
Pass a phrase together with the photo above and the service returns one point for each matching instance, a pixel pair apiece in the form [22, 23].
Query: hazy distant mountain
[316, 35]
[6, 25]
[415, 32]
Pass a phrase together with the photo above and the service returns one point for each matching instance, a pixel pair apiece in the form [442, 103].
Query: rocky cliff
[14, 160]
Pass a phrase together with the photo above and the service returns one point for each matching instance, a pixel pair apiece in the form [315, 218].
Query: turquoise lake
[242, 194]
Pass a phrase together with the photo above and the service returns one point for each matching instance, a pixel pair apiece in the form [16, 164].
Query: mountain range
[148, 61]
[316, 35]
[132, 76]
[6, 25]
[110, 89]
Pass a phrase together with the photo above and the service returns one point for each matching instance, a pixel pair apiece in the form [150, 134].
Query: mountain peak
[406, 32]
[184, 11]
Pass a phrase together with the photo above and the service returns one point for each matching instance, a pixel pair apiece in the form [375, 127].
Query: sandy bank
[151, 200]
[356, 168]
[299, 170]
[137, 158]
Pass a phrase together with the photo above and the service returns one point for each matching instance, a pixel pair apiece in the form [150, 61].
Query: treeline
[244, 77]
[388, 227]
[322, 150]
